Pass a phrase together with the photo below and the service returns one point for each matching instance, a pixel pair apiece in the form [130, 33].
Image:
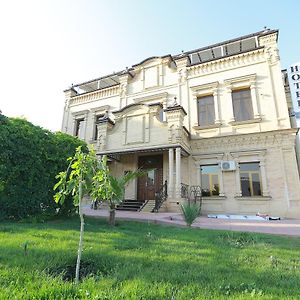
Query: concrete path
[282, 227]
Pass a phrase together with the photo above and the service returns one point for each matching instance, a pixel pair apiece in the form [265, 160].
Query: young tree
[77, 180]
[86, 175]
[110, 188]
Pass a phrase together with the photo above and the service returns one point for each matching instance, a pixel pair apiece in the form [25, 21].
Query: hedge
[30, 158]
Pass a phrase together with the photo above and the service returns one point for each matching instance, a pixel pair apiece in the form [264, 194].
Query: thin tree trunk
[81, 234]
[112, 215]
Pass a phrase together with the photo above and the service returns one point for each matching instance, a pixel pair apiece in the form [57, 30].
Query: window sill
[212, 198]
[212, 126]
[254, 198]
[246, 122]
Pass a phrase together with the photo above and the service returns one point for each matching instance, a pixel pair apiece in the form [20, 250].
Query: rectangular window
[206, 111]
[242, 105]
[210, 180]
[97, 119]
[78, 127]
[250, 179]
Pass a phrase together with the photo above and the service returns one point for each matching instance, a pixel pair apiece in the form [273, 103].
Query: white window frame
[211, 159]
[243, 82]
[78, 116]
[207, 90]
[249, 157]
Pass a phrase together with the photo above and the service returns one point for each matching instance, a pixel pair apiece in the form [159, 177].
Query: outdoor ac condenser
[228, 165]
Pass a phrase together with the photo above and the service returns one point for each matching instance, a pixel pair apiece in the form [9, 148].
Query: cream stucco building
[215, 117]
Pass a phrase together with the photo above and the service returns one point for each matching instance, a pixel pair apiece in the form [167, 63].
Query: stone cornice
[248, 79]
[162, 96]
[244, 142]
[202, 89]
[176, 108]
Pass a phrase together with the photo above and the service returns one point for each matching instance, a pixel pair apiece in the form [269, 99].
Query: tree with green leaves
[86, 175]
[77, 180]
[111, 189]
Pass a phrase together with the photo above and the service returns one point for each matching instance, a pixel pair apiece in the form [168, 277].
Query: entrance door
[151, 183]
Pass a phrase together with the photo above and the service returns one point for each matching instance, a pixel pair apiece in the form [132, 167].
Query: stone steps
[130, 205]
[149, 206]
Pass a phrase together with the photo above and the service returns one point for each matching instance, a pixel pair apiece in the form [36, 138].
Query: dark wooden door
[151, 183]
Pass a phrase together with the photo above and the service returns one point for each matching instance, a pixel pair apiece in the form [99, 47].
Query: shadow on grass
[177, 256]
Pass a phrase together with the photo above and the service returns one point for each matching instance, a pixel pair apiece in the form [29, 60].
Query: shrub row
[30, 158]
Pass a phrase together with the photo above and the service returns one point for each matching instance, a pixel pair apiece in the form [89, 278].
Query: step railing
[192, 194]
[161, 196]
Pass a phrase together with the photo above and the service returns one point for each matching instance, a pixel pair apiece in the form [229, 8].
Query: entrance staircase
[130, 205]
[149, 206]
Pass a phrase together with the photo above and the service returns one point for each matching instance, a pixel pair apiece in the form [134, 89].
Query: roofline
[126, 71]
[259, 33]
[152, 57]
[180, 55]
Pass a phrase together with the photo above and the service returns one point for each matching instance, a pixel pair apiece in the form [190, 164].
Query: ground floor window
[210, 180]
[250, 179]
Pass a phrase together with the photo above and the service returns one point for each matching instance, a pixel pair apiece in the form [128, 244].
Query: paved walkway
[282, 227]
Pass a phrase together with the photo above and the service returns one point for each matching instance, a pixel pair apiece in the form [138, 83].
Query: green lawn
[145, 261]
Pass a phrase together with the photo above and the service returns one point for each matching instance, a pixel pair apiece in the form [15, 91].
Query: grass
[145, 261]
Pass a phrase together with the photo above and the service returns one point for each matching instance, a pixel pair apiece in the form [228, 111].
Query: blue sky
[48, 45]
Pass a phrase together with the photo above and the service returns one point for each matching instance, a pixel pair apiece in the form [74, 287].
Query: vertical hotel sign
[294, 82]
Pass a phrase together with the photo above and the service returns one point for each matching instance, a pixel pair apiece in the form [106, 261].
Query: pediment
[130, 109]
[153, 61]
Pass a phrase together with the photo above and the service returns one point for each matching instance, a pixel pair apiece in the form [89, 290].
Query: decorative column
[264, 188]
[68, 99]
[221, 187]
[171, 173]
[229, 98]
[238, 192]
[178, 172]
[175, 116]
[216, 105]
[254, 100]
[103, 126]
[84, 126]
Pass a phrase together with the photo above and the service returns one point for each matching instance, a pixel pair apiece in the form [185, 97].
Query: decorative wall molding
[227, 63]
[96, 95]
[244, 141]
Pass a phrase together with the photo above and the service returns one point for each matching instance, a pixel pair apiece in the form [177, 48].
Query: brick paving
[289, 227]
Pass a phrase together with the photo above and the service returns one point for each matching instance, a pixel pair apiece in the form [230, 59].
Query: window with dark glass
[242, 105]
[97, 120]
[78, 127]
[161, 115]
[210, 180]
[206, 110]
[250, 179]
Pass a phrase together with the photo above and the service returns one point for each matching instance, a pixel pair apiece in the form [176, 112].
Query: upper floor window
[206, 110]
[78, 127]
[250, 179]
[97, 119]
[210, 180]
[242, 105]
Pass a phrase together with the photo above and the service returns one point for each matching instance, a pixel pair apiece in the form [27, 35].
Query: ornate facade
[215, 117]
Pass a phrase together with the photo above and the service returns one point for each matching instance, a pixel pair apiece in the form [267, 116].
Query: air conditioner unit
[228, 165]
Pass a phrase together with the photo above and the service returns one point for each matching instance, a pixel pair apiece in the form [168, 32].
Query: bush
[190, 212]
[30, 157]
